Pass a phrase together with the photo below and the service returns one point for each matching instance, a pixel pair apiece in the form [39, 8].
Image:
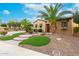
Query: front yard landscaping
[10, 37]
[68, 46]
[36, 41]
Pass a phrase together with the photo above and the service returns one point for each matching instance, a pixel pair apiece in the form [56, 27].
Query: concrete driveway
[12, 50]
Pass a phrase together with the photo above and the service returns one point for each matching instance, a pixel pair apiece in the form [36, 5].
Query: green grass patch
[36, 41]
[10, 37]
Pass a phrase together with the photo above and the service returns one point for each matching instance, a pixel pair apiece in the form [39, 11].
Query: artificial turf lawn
[10, 37]
[36, 41]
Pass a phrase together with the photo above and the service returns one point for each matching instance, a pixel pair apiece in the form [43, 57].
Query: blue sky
[18, 11]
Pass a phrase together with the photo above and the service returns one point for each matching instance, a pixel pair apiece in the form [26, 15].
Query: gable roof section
[39, 20]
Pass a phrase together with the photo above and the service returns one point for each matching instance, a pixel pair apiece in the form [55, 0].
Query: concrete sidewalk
[18, 39]
[12, 50]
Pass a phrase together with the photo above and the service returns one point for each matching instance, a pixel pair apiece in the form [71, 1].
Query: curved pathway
[17, 40]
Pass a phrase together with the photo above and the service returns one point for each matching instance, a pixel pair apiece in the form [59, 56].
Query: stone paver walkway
[13, 50]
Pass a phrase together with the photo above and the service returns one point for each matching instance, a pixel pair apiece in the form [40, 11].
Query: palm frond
[52, 12]
[43, 15]
[76, 17]
[47, 9]
[64, 13]
[55, 10]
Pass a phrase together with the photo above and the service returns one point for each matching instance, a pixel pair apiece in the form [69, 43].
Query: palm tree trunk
[53, 28]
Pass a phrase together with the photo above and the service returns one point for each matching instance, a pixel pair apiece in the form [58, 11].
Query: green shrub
[35, 30]
[76, 29]
[3, 32]
[5, 28]
[30, 31]
[40, 30]
[3, 25]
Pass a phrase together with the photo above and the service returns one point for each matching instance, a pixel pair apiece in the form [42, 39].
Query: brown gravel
[68, 46]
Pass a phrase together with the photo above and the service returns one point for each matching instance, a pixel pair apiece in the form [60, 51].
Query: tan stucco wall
[38, 25]
[74, 25]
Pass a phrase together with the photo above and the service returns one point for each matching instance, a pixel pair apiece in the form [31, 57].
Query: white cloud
[76, 5]
[36, 6]
[28, 12]
[6, 12]
[33, 19]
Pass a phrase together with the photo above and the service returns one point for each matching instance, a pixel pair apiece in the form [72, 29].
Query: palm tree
[26, 24]
[11, 23]
[52, 13]
[76, 17]
[16, 25]
[0, 22]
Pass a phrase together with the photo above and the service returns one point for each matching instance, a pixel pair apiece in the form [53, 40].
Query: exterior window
[35, 25]
[40, 25]
[64, 25]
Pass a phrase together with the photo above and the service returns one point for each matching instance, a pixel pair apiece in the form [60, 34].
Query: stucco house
[1, 29]
[64, 25]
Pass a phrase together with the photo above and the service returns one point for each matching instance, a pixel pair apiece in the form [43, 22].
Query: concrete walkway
[13, 50]
[17, 40]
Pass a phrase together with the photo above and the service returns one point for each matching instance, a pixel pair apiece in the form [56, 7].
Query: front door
[47, 28]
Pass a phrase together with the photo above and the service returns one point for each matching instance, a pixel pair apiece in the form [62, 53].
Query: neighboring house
[64, 25]
[1, 29]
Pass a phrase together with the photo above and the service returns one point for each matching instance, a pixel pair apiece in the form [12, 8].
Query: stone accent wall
[68, 31]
